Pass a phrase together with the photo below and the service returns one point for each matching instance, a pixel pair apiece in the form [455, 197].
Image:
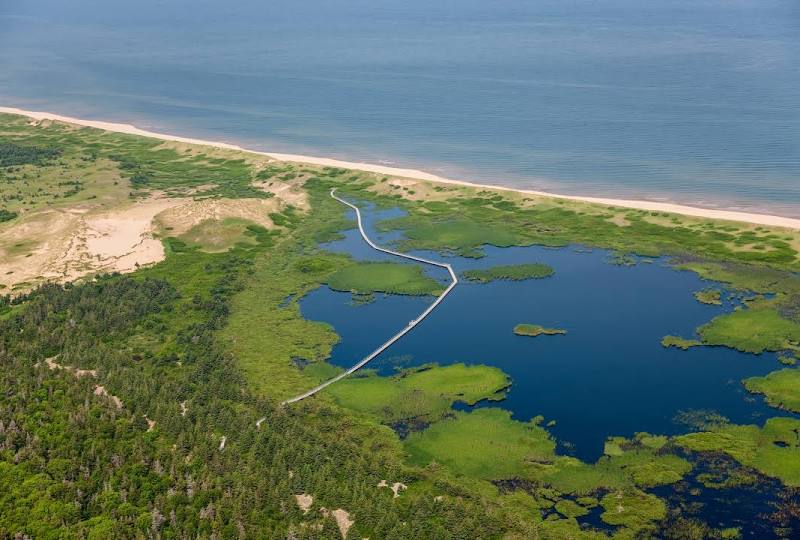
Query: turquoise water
[691, 100]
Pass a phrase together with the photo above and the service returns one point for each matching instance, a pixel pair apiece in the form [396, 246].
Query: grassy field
[219, 235]
[780, 388]
[485, 443]
[514, 272]
[422, 394]
[393, 278]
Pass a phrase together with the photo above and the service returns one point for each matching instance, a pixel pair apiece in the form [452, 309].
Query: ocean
[693, 101]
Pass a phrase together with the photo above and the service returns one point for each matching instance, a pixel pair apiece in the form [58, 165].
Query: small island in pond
[679, 342]
[512, 272]
[533, 330]
[709, 296]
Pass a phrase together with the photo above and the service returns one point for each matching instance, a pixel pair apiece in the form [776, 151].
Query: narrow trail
[402, 332]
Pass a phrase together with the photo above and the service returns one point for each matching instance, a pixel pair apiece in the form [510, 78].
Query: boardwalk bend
[402, 332]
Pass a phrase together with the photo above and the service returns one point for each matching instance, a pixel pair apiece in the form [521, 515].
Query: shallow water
[694, 100]
[608, 376]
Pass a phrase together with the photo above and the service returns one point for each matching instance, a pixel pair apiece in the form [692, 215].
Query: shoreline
[654, 206]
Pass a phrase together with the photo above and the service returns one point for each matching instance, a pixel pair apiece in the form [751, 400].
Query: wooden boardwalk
[411, 325]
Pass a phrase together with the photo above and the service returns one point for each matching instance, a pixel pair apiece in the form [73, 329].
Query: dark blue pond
[608, 376]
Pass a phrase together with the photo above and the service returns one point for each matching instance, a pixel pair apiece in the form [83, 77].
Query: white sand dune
[759, 219]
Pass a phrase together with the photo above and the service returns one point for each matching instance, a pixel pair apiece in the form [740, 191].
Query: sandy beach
[731, 215]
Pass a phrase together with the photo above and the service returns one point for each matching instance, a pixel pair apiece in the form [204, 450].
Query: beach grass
[219, 235]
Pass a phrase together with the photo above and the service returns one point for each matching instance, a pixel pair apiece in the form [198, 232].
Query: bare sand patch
[66, 244]
[101, 391]
[343, 521]
[179, 219]
[290, 193]
[396, 488]
[79, 373]
[304, 502]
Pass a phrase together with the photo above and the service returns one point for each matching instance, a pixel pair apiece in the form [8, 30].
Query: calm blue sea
[691, 100]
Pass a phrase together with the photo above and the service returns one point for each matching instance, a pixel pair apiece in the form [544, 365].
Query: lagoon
[609, 375]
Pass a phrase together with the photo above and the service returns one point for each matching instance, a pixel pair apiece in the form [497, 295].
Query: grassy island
[533, 330]
[780, 388]
[394, 278]
[709, 296]
[513, 272]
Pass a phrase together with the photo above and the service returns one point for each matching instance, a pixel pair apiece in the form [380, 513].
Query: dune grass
[394, 278]
[780, 388]
[219, 235]
[513, 272]
[425, 393]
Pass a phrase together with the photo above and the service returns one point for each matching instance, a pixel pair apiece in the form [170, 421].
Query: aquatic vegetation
[485, 443]
[787, 360]
[753, 330]
[534, 330]
[462, 236]
[514, 272]
[622, 259]
[780, 388]
[422, 393]
[395, 278]
[773, 450]
[570, 509]
[679, 342]
[633, 509]
[709, 296]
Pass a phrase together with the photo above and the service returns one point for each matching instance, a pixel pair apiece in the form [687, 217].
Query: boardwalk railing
[401, 333]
